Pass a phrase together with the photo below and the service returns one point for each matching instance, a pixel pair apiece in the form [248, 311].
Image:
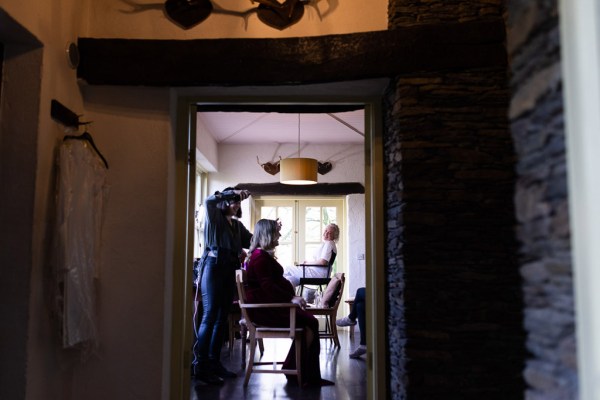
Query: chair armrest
[291, 306]
[311, 265]
[268, 305]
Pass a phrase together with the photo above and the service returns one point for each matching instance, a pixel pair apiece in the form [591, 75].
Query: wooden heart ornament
[269, 167]
[188, 13]
[324, 167]
[282, 15]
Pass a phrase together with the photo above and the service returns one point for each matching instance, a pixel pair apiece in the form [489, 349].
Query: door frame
[177, 355]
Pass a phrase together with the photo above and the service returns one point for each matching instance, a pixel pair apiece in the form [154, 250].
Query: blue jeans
[359, 311]
[217, 285]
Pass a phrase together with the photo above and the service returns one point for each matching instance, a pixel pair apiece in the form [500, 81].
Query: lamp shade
[298, 171]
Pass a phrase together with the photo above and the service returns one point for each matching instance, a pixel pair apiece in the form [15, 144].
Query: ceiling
[282, 127]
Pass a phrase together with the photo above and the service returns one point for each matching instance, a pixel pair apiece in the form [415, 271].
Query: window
[199, 215]
[303, 222]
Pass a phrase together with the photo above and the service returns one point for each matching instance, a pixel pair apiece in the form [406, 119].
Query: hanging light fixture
[298, 171]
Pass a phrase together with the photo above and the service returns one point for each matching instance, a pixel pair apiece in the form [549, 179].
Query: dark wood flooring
[349, 375]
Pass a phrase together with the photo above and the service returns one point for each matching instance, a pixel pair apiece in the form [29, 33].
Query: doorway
[183, 216]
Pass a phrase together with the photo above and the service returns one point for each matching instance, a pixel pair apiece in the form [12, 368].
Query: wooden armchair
[259, 332]
[330, 303]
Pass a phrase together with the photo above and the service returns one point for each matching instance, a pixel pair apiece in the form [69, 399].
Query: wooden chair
[259, 332]
[318, 282]
[331, 301]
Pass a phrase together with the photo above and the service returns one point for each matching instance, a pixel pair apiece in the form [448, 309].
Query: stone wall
[454, 282]
[412, 12]
[537, 125]
[454, 293]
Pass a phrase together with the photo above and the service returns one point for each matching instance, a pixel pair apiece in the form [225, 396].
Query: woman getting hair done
[265, 284]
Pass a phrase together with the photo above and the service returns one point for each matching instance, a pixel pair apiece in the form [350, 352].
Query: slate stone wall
[537, 124]
[454, 289]
[412, 12]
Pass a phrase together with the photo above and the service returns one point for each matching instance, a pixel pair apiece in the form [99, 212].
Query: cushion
[332, 291]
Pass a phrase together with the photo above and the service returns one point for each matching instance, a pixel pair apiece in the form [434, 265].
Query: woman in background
[321, 256]
[358, 312]
[265, 284]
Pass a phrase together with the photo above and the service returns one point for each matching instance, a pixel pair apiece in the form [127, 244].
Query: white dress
[81, 194]
[293, 273]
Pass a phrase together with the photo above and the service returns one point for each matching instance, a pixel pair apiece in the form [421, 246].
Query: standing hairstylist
[225, 237]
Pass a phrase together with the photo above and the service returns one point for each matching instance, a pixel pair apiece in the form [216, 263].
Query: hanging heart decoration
[282, 16]
[188, 13]
[324, 167]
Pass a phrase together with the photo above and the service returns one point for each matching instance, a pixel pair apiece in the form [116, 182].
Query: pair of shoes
[359, 351]
[346, 321]
[222, 372]
[208, 377]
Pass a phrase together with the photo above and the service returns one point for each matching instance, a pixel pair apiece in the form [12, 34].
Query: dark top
[219, 234]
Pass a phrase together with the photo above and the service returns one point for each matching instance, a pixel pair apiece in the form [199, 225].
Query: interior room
[479, 206]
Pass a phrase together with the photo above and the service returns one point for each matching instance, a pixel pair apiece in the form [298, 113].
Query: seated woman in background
[321, 256]
[265, 284]
[358, 312]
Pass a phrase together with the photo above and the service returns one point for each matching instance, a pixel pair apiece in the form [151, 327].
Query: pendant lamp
[298, 170]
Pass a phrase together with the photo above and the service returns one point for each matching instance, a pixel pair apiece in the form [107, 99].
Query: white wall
[355, 217]
[238, 164]
[206, 147]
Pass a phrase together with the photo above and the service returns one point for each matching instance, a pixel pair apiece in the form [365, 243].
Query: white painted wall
[121, 19]
[238, 163]
[133, 136]
[355, 220]
[207, 154]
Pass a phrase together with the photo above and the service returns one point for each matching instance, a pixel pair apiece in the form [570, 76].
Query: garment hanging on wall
[82, 192]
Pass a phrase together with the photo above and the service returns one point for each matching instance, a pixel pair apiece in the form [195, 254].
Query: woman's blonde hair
[335, 230]
[264, 235]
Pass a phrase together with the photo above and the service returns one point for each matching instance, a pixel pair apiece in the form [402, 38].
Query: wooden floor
[349, 375]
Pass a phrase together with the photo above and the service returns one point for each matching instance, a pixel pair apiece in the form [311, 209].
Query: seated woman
[265, 284]
[321, 256]
[358, 312]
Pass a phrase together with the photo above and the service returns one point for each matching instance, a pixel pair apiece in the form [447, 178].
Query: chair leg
[334, 331]
[299, 359]
[261, 347]
[243, 334]
[250, 366]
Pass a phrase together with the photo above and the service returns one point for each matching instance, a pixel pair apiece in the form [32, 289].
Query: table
[350, 303]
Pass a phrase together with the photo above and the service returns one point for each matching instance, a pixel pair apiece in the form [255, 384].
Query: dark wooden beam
[289, 61]
[276, 188]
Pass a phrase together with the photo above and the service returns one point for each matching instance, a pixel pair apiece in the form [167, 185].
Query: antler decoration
[273, 167]
[188, 13]
[269, 167]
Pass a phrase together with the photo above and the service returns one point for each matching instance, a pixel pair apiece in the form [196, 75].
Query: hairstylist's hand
[244, 194]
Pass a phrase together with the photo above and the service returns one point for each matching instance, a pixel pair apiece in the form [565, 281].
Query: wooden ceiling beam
[315, 59]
